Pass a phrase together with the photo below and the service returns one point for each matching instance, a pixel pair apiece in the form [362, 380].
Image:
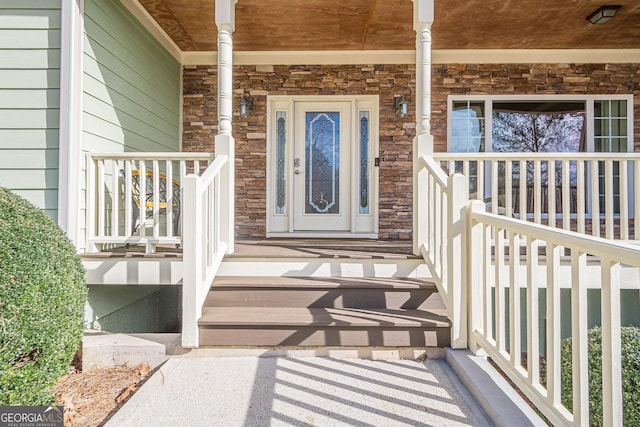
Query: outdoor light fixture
[603, 14]
[401, 106]
[246, 105]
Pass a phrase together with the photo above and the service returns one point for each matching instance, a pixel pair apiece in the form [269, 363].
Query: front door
[322, 188]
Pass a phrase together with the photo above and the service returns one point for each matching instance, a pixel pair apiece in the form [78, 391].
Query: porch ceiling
[388, 24]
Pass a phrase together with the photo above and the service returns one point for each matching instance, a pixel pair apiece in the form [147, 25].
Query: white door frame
[279, 217]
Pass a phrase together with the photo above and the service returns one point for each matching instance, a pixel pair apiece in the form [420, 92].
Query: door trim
[279, 219]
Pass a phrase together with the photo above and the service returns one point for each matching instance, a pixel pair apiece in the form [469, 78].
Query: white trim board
[70, 133]
[476, 56]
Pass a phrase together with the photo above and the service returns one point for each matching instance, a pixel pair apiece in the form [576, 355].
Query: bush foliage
[42, 296]
[630, 375]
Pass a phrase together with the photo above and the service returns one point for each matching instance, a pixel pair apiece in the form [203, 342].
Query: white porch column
[422, 20]
[423, 143]
[224, 142]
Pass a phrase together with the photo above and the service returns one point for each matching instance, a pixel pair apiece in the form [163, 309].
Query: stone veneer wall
[396, 135]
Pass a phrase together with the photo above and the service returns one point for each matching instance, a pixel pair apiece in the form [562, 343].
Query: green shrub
[630, 375]
[42, 296]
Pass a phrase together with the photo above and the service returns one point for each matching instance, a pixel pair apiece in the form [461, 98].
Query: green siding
[30, 99]
[131, 84]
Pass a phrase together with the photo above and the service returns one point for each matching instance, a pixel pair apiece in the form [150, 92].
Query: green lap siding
[131, 84]
[131, 87]
[30, 99]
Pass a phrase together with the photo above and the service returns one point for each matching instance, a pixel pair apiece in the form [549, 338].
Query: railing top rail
[429, 163]
[152, 156]
[536, 156]
[212, 171]
[597, 246]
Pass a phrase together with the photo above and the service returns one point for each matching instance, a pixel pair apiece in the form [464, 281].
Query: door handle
[297, 172]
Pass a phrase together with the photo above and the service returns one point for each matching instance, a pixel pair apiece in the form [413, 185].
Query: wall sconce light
[401, 106]
[603, 14]
[246, 105]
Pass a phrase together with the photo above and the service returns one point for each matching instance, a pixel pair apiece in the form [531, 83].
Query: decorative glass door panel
[322, 167]
[322, 163]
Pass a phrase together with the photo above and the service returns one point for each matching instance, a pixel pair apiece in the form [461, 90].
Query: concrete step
[304, 326]
[266, 291]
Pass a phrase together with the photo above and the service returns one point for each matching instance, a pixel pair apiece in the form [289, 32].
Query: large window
[540, 124]
[537, 123]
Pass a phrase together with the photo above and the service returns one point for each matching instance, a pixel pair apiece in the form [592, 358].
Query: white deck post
[456, 255]
[224, 142]
[423, 143]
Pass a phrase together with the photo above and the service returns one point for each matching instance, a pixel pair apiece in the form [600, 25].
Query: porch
[449, 286]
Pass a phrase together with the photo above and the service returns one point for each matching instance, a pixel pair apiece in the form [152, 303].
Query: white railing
[592, 193]
[439, 230]
[136, 198]
[205, 240]
[483, 306]
[492, 278]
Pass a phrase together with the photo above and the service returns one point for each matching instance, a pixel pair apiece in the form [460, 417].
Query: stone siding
[396, 134]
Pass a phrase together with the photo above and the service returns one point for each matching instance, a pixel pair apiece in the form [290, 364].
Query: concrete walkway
[201, 390]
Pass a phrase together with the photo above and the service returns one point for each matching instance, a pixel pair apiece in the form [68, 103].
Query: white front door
[321, 166]
[322, 187]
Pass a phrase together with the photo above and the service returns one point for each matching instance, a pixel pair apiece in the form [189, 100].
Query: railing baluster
[494, 187]
[533, 314]
[566, 195]
[515, 342]
[196, 167]
[595, 199]
[608, 195]
[523, 190]
[128, 201]
[537, 192]
[499, 288]
[486, 279]
[551, 192]
[579, 338]
[554, 311]
[142, 180]
[115, 199]
[156, 199]
[101, 199]
[169, 195]
[582, 194]
[623, 199]
[508, 188]
[480, 189]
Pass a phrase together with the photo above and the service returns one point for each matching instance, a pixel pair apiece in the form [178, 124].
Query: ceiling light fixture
[603, 14]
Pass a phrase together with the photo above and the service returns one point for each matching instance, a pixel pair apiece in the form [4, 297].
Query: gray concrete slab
[284, 391]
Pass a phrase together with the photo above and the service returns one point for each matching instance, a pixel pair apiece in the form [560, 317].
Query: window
[540, 123]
